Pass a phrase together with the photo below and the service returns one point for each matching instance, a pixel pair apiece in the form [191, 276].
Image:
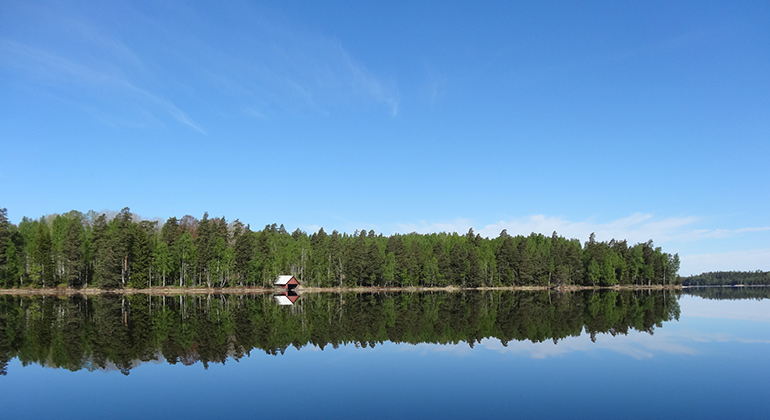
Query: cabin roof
[283, 280]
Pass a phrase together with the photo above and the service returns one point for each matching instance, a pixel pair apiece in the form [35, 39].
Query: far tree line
[729, 278]
[79, 250]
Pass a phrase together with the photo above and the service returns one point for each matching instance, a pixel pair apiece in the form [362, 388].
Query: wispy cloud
[434, 85]
[638, 227]
[286, 67]
[172, 110]
[742, 310]
[743, 260]
[720, 233]
[457, 225]
[93, 81]
[369, 84]
[638, 345]
[45, 64]
[263, 65]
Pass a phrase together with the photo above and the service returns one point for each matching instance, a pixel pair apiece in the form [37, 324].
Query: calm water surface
[501, 355]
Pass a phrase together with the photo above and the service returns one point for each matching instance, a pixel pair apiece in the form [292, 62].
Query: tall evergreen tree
[72, 252]
[107, 254]
[5, 235]
[245, 270]
[7, 247]
[43, 269]
[161, 261]
[123, 243]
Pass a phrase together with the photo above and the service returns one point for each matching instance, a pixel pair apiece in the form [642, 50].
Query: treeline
[729, 292]
[121, 331]
[729, 278]
[89, 250]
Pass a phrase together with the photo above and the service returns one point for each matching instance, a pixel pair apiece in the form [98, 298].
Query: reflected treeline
[121, 331]
[729, 293]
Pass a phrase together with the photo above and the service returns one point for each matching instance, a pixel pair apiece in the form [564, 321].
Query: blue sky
[640, 121]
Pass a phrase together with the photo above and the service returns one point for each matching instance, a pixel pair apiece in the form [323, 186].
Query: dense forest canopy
[729, 278]
[89, 250]
[121, 331]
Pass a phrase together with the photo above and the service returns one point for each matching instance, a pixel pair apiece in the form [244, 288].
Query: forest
[79, 250]
[729, 278]
[119, 331]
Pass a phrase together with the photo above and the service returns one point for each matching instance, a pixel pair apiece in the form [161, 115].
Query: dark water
[458, 355]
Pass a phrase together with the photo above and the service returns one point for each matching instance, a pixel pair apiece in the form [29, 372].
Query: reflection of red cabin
[286, 282]
[286, 298]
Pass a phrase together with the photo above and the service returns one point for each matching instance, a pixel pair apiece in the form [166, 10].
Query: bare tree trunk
[124, 271]
[340, 259]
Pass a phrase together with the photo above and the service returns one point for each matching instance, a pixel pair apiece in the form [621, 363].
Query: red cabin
[286, 282]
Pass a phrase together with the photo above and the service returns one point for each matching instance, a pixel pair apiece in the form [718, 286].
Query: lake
[607, 354]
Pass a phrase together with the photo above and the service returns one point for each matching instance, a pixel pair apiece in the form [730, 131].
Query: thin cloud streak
[636, 344]
[371, 84]
[744, 260]
[638, 227]
[290, 68]
[458, 225]
[173, 110]
[283, 67]
[69, 73]
[43, 63]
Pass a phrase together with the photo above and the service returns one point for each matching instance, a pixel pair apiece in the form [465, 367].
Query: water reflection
[286, 298]
[490, 355]
[730, 292]
[97, 332]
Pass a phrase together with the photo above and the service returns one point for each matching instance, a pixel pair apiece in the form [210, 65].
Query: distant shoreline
[167, 291]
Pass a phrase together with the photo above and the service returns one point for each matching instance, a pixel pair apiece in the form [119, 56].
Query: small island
[729, 278]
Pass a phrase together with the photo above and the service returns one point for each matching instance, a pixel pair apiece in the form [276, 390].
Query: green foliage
[10, 262]
[161, 261]
[729, 292]
[72, 253]
[726, 278]
[78, 249]
[42, 258]
[106, 261]
[93, 332]
[184, 255]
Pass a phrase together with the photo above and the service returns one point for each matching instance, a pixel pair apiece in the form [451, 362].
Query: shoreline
[168, 291]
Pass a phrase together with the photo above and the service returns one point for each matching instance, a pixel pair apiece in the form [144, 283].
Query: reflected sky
[744, 309]
[712, 363]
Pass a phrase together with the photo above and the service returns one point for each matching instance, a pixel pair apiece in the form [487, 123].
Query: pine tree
[5, 235]
[107, 255]
[72, 253]
[161, 261]
[41, 257]
[244, 254]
